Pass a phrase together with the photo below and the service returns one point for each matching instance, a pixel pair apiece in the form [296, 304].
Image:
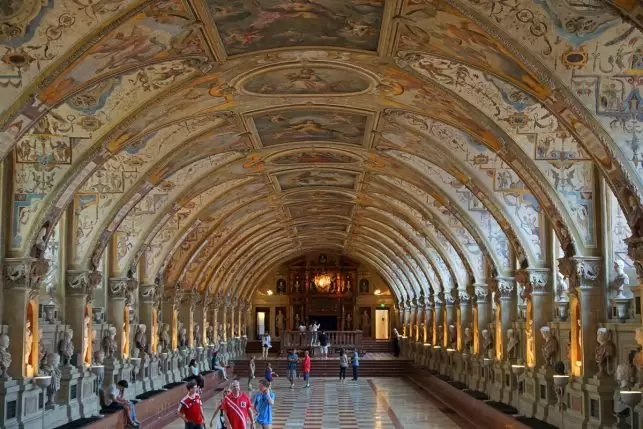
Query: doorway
[327, 323]
[381, 324]
[262, 318]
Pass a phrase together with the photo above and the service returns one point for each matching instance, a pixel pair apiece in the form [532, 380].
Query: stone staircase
[389, 367]
[370, 345]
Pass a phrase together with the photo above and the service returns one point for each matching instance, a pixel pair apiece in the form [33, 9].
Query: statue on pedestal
[297, 287]
[109, 342]
[513, 344]
[637, 360]
[366, 324]
[28, 344]
[197, 335]
[66, 346]
[51, 368]
[562, 288]
[5, 356]
[550, 346]
[209, 334]
[164, 338]
[487, 344]
[349, 322]
[83, 355]
[620, 284]
[453, 337]
[183, 337]
[280, 319]
[468, 340]
[140, 340]
[605, 352]
[440, 336]
[220, 333]
[99, 357]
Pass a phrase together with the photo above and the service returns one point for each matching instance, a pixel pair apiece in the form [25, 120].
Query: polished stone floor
[375, 403]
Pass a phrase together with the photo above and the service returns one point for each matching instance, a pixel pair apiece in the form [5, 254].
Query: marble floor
[375, 403]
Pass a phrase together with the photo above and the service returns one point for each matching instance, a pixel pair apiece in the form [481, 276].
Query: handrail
[304, 340]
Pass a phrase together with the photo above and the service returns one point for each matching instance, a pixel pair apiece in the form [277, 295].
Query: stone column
[428, 323]
[147, 294]
[79, 289]
[224, 319]
[119, 290]
[413, 319]
[483, 301]
[231, 317]
[422, 320]
[466, 320]
[584, 275]
[507, 291]
[439, 321]
[451, 317]
[22, 278]
[536, 283]
[635, 251]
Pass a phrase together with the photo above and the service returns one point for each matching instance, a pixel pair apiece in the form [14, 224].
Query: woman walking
[265, 345]
[343, 365]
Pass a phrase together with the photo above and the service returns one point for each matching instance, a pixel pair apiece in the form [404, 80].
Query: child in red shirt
[190, 408]
[237, 409]
[307, 368]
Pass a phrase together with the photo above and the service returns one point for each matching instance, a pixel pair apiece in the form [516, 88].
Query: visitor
[263, 402]
[323, 344]
[215, 355]
[313, 332]
[355, 364]
[218, 411]
[292, 367]
[265, 345]
[306, 369]
[396, 343]
[251, 372]
[190, 408]
[269, 374]
[237, 409]
[219, 365]
[115, 400]
[343, 365]
[194, 369]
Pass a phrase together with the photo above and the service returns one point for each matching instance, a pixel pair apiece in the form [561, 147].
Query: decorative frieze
[121, 288]
[82, 283]
[581, 272]
[506, 287]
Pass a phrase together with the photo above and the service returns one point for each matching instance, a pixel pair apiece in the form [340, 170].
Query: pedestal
[176, 362]
[546, 395]
[115, 370]
[9, 404]
[476, 379]
[598, 396]
[87, 398]
[157, 376]
[68, 394]
[510, 384]
[495, 381]
[530, 393]
[31, 412]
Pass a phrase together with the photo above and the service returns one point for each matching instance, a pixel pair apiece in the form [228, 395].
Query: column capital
[583, 272]
[635, 251]
[24, 273]
[120, 287]
[482, 292]
[506, 287]
[148, 292]
[533, 280]
[449, 298]
[464, 297]
[82, 282]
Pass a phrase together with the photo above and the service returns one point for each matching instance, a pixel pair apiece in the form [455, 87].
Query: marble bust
[512, 344]
[109, 342]
[620, 284]
[605, 352]
[487, 344]
[550, 346]
[5, 356]
[66, 346]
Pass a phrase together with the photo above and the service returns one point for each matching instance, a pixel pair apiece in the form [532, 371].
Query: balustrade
[336, 339]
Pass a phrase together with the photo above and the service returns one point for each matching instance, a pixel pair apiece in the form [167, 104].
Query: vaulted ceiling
[209, 140]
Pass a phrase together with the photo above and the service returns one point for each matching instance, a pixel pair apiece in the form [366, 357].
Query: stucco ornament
[605, 352]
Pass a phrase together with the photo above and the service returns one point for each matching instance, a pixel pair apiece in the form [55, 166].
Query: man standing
[190, 408]
[263, 402]
[306, 368]
[292, 367]
[237, 409]
[323, 344]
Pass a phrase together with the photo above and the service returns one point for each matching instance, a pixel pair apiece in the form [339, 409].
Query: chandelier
[322, 281]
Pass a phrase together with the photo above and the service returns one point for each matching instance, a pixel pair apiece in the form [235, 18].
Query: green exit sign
[382, 305]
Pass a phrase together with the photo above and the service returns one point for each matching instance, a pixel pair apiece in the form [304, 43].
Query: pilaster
[79, 288]
[507, 292]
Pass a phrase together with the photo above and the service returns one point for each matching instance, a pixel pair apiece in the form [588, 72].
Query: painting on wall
[252, 25]
[302, 125]
[313, 157]
[307, 80]
[304, 178]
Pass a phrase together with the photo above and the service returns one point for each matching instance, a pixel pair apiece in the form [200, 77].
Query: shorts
[306, 376]
[265, 346]
[324, 349]
[292, 373]
[263, 425]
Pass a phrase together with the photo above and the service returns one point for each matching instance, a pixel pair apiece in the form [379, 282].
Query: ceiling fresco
[204, 141]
